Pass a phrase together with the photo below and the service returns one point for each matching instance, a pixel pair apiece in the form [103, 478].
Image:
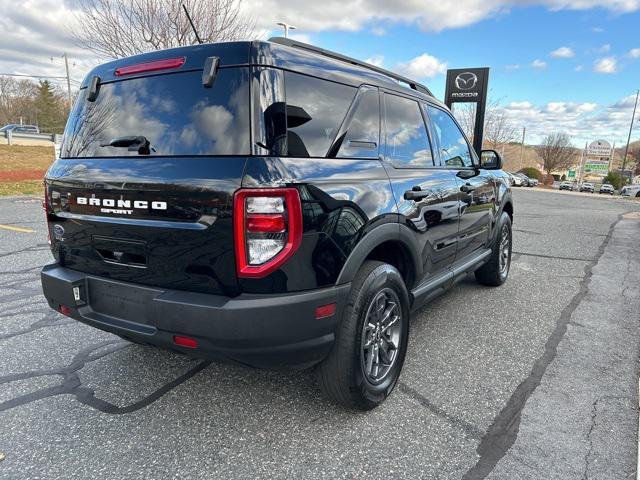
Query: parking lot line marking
[17, 229]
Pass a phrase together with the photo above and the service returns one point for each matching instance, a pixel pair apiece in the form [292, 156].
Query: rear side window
[174, 112]
[453, 147]
[406, 135]
[363, 131]
[315, 110]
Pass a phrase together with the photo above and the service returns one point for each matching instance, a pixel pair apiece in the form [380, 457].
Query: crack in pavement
[554, 257]
[40, 247]
[469, 429]
[594, 415]
[531, 232]
[71, 384]
[50, 319]
[503, 432]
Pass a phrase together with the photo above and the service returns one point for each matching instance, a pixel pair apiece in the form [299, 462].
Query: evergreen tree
[49, 107]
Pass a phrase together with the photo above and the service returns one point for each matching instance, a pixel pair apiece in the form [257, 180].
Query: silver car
[630, 191]
[606, 188]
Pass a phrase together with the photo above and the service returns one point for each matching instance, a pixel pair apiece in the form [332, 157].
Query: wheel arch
[390, 243]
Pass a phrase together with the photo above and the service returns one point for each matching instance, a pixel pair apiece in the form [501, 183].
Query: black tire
[493, 273]
[341, 375]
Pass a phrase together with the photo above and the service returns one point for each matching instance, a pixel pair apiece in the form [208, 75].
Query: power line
[30, 76]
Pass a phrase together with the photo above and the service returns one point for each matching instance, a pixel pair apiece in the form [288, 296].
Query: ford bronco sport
[268, 203]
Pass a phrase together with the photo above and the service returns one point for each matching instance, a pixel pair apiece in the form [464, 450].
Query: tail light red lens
[267, 229]
[163, 64]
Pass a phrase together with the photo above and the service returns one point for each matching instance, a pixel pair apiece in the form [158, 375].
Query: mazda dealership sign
[469, 85]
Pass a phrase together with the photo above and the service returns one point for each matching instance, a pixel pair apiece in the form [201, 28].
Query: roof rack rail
[327, 53]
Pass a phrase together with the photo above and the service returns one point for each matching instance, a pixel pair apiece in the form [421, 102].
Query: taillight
[164, 64]
[267, 229]
[46, 208]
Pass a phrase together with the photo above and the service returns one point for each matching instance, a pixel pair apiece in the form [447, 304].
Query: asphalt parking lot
[535, 379]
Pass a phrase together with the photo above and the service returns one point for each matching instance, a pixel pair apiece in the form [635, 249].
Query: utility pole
[66, 66]
[524, 131]
[286, 27]
[626, 150]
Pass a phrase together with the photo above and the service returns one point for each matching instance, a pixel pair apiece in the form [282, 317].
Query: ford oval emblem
[58, 232]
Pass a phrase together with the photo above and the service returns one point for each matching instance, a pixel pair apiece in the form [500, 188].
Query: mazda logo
[466, 81]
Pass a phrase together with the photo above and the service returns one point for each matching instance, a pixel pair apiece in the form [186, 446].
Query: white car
[517, 180]
[630, 191]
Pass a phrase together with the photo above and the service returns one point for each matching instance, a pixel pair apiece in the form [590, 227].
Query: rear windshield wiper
[131, 143]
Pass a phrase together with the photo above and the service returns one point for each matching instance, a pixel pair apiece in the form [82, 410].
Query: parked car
[533, 182]
[630, 191]
[516, 179]
[566, 186]
[606, 188]
[523, 178]
[259, 255]
[588, 187]
[14, 128]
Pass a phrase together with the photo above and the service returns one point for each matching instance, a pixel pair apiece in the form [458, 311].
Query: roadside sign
[599, 148]
[595, 167]
[571, 174]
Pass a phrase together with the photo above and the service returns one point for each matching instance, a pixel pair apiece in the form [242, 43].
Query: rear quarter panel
[342, 199]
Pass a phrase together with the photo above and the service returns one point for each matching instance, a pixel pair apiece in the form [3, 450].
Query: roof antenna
[191, 22]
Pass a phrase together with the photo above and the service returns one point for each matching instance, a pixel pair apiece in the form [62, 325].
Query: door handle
[467, 188]
[416, 193]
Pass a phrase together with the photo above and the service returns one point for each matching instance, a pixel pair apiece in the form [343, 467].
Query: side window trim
[472, 153]
[384, 93]
[433, 139]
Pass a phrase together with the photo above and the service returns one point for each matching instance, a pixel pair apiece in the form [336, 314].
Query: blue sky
[509, 44]
[585, 89]
[582, 65]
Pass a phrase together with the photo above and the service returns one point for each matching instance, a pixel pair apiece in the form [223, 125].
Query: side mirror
[490, 160]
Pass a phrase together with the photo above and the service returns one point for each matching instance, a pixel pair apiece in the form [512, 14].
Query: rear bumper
[265, 331]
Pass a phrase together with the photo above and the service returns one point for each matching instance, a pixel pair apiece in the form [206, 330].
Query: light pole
[626, 150]
[524, 131]
[286, 27]
[66, 67]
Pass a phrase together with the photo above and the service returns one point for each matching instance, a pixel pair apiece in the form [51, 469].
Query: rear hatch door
[143, 190]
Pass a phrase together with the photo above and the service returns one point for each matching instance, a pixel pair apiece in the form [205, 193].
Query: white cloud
[597, 29]
[606, 65]
[301, 37]
[539, 64]
[563, 52]
[578, 68]
[606, 48]
[429, 15]
[582, 121]
[520, 105]
[513, 67]
[378, 31]
[423, 66]
[40, 29]
[377, 60]
[634, 53]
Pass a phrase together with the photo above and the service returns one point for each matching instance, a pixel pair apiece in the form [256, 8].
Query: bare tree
[16, 100]
[498, 129]
[120, 28]
[557, 152]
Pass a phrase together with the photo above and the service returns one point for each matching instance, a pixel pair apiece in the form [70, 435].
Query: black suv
[271, 204]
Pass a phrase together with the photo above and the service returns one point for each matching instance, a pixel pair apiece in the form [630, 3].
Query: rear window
[174, 112]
